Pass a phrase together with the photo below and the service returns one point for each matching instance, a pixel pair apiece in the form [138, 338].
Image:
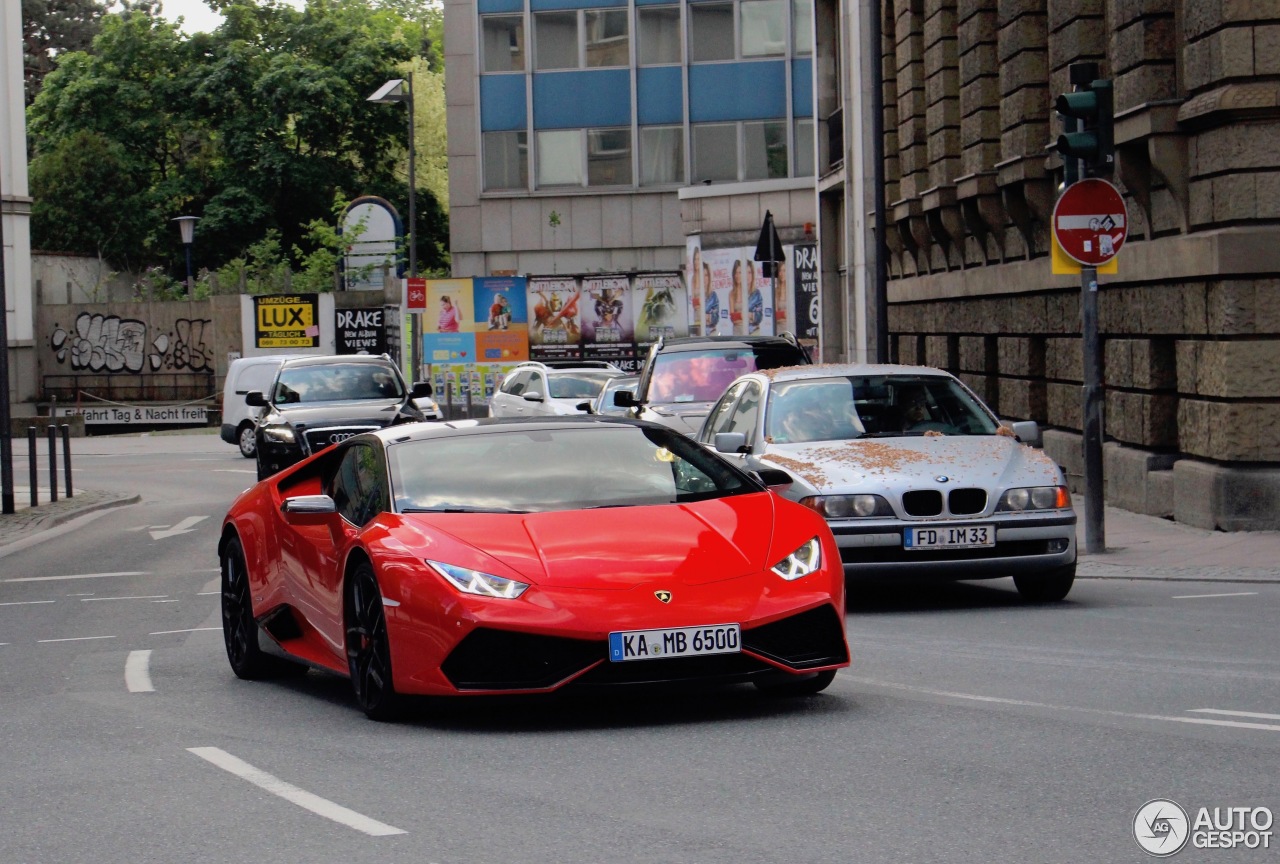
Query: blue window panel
[573, 100]
[802, 88]
[547, 5]
[654, 3]
[488, 7]
[737, 91]
[502, 103]
[659, 95]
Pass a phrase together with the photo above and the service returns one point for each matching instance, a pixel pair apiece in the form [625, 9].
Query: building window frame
[581, 45]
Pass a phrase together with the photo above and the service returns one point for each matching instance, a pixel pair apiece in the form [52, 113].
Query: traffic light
[1094, 144]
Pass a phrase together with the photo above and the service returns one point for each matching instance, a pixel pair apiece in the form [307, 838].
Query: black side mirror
[772, 477]
[256, 399]
[584, 407]
[624, 399]
[421, 389]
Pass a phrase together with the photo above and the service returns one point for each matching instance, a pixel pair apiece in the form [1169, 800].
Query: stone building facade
[1190, 323]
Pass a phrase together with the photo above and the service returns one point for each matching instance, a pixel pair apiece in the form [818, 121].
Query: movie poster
[661, 307]
[808, 309]
[759, 310]
[697, 275]
[555, 326]
[448, 324]
[608, 319]
[502, 319]
[723, 300]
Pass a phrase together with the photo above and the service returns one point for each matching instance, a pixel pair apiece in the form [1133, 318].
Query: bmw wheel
[1046, 587]
[248, 441]
[368, 649]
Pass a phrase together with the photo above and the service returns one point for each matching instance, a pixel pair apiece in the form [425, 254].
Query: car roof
[569, 366]
[453, 428]
[827, 370]
[689, 343]
[330, 359]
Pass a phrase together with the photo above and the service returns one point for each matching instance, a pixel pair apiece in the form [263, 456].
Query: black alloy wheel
[1046, 587]
[239, 629]
[368, 649]
[815, 683]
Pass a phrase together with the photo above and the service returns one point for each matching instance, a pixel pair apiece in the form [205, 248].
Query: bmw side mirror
[730, 442]
[421, 389]
[1028, 432]
[624, 399]
[256, 399]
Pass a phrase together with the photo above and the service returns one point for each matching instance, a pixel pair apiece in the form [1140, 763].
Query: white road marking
[289, 792]
[82, 594]
[1199, 596]
[164, 601]
[234, 471]
[27, 602]
[137, 677]
[79, 576]
[208, 593]
[192, 630]
[1235, 713]
[76, 639]
[973, 697]
[186, 526]
[144, 597]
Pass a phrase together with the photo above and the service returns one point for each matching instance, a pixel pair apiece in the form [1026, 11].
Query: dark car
[682, 378]
[319, 401]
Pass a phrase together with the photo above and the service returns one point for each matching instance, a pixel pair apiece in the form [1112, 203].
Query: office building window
[556, 40]
[608, 157]
[764, 28]
[764, 150]
[506, 164]
[502, 43]
[802, 27]
[560, 158]
[607, 37]
[574, 39]
[658, 35]
[715, 152]
[661, 155]
[804, 148]
[711, 31]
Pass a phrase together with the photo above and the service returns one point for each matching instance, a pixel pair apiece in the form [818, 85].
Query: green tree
[51, 28]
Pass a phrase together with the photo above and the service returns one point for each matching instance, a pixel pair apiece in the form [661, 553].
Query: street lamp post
[401, 90]
[187, 225]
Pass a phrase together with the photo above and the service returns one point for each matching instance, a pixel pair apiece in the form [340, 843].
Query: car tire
[368, 647]
[805, 687]
[1046, 587]
[239, 628]
[248, 440]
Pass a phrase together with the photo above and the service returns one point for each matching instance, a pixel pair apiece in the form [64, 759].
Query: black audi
[318, 401]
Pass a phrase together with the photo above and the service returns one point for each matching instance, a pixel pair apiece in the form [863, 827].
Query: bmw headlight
[470, 581]
[1034, 498]
[801, 562]
[281, 434]
[848, 506]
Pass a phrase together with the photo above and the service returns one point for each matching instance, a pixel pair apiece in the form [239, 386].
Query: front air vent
[965, 502]
[922, 502]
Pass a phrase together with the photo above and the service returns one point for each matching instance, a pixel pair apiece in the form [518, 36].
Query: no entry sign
[1091, 222]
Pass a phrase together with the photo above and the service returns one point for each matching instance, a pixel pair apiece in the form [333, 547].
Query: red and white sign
[416, 294]
[1091, 221]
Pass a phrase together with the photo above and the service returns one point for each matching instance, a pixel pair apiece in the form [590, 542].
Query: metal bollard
[53, 463]
[66, 456]
[31, 466]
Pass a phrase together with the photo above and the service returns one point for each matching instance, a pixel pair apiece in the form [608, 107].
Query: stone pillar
[976, 189]
[1024, 121]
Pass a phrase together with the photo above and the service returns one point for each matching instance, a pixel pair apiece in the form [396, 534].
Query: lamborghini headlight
[1034, 498]
[281, 434]
[801, 562]
[848, 506]
[475, 582]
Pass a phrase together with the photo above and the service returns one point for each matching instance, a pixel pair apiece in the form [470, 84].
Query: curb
[53, 518]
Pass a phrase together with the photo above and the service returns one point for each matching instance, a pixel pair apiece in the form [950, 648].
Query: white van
[245, 374]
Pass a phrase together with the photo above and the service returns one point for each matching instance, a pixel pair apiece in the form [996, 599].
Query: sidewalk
[1138, 547]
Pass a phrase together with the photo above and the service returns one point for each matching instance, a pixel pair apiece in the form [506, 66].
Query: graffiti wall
[111, 344]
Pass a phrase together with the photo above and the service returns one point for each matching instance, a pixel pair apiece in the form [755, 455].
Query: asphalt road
[971, 727]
